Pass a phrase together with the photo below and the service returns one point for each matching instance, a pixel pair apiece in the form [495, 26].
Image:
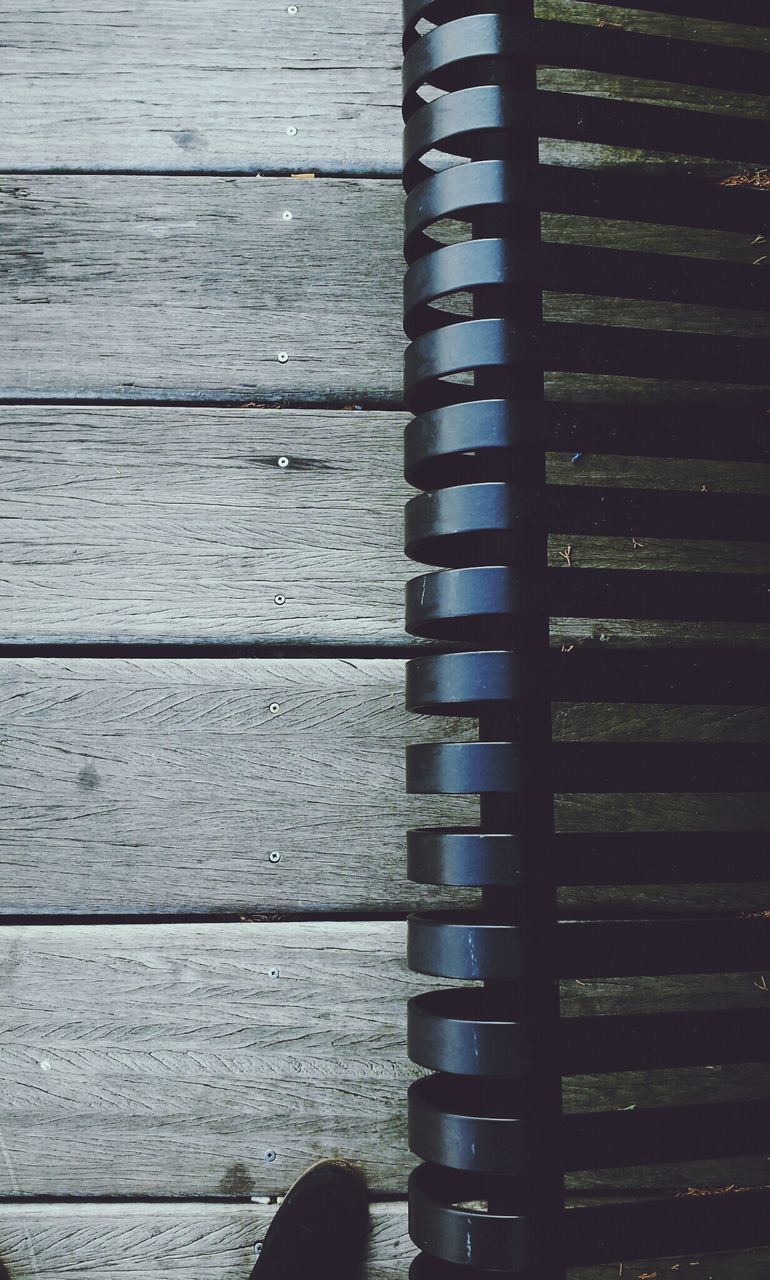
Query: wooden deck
[201, 648]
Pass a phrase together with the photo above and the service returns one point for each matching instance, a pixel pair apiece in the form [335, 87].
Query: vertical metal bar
[529, 814]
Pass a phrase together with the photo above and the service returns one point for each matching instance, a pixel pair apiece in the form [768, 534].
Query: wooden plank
[170, 288]
[174, 1242]
[162, 786]
[154, 1059]
[147, 525]
[144, 88]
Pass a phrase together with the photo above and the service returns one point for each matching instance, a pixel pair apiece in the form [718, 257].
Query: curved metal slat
[489, 344]
[466, 190]
[483, 523]
[468, 684]
[448, 56]
[510, 768]
[468, 1031]
[466, 857]
[473, 946]
[747, 12]
[480, 1127]
[483, 439]
[574, 268]
[485, 601]
[456, 122]
[441, 1224]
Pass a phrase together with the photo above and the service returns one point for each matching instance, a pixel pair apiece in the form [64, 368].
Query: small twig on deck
[762, 984]
[636, 544]
[567, 556]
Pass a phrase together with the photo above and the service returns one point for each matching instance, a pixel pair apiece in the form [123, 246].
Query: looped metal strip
[484, 602]
[466, 191]
[483, 1127]
[750, 12]
[470, 346]
[474, 947]
[457, 122]
[467, 856]
[485, 264]
[484, 438]
[468, 684]
[448, 57]
[469, 1031]
[485, 523]
[443, 1223]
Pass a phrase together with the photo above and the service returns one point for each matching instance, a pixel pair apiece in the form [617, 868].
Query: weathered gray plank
[149, 785]
[167, 1059]
[160, 1242]
[161, 525]
[174, 1242]
[145, 88]
[171, 288]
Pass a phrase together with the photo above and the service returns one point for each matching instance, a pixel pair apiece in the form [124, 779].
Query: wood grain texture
[152, 525]
[141, 87]
[176, 1242]
[161, 786]
[167, 1060]
[172, 288]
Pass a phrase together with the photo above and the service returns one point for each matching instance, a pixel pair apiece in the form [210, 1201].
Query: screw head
[283, 462]
[271, 1157]
[292, 10]
[275, 707]
[274, 856]
[283, 357]
[292, 131]
[274, 973]
[279, 599]
[287, 215]
[258, 1248]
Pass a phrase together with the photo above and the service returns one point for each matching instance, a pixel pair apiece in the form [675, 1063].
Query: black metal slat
[486, 522]
[464, 683]
[468, 856]
[513, 768]
[480, 440]
[471, 1031]
[623, 196]
[482, 1127]
[449, 55]
[486, 601]
[532, 1242]
[473, 946]
[745, 12]
[618, 351]
[616, 273]
[455, 121]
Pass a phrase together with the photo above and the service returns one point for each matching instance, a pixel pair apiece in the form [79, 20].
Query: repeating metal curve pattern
[489, 1122]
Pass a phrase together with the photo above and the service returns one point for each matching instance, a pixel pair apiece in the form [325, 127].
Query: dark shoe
[319, 1231]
